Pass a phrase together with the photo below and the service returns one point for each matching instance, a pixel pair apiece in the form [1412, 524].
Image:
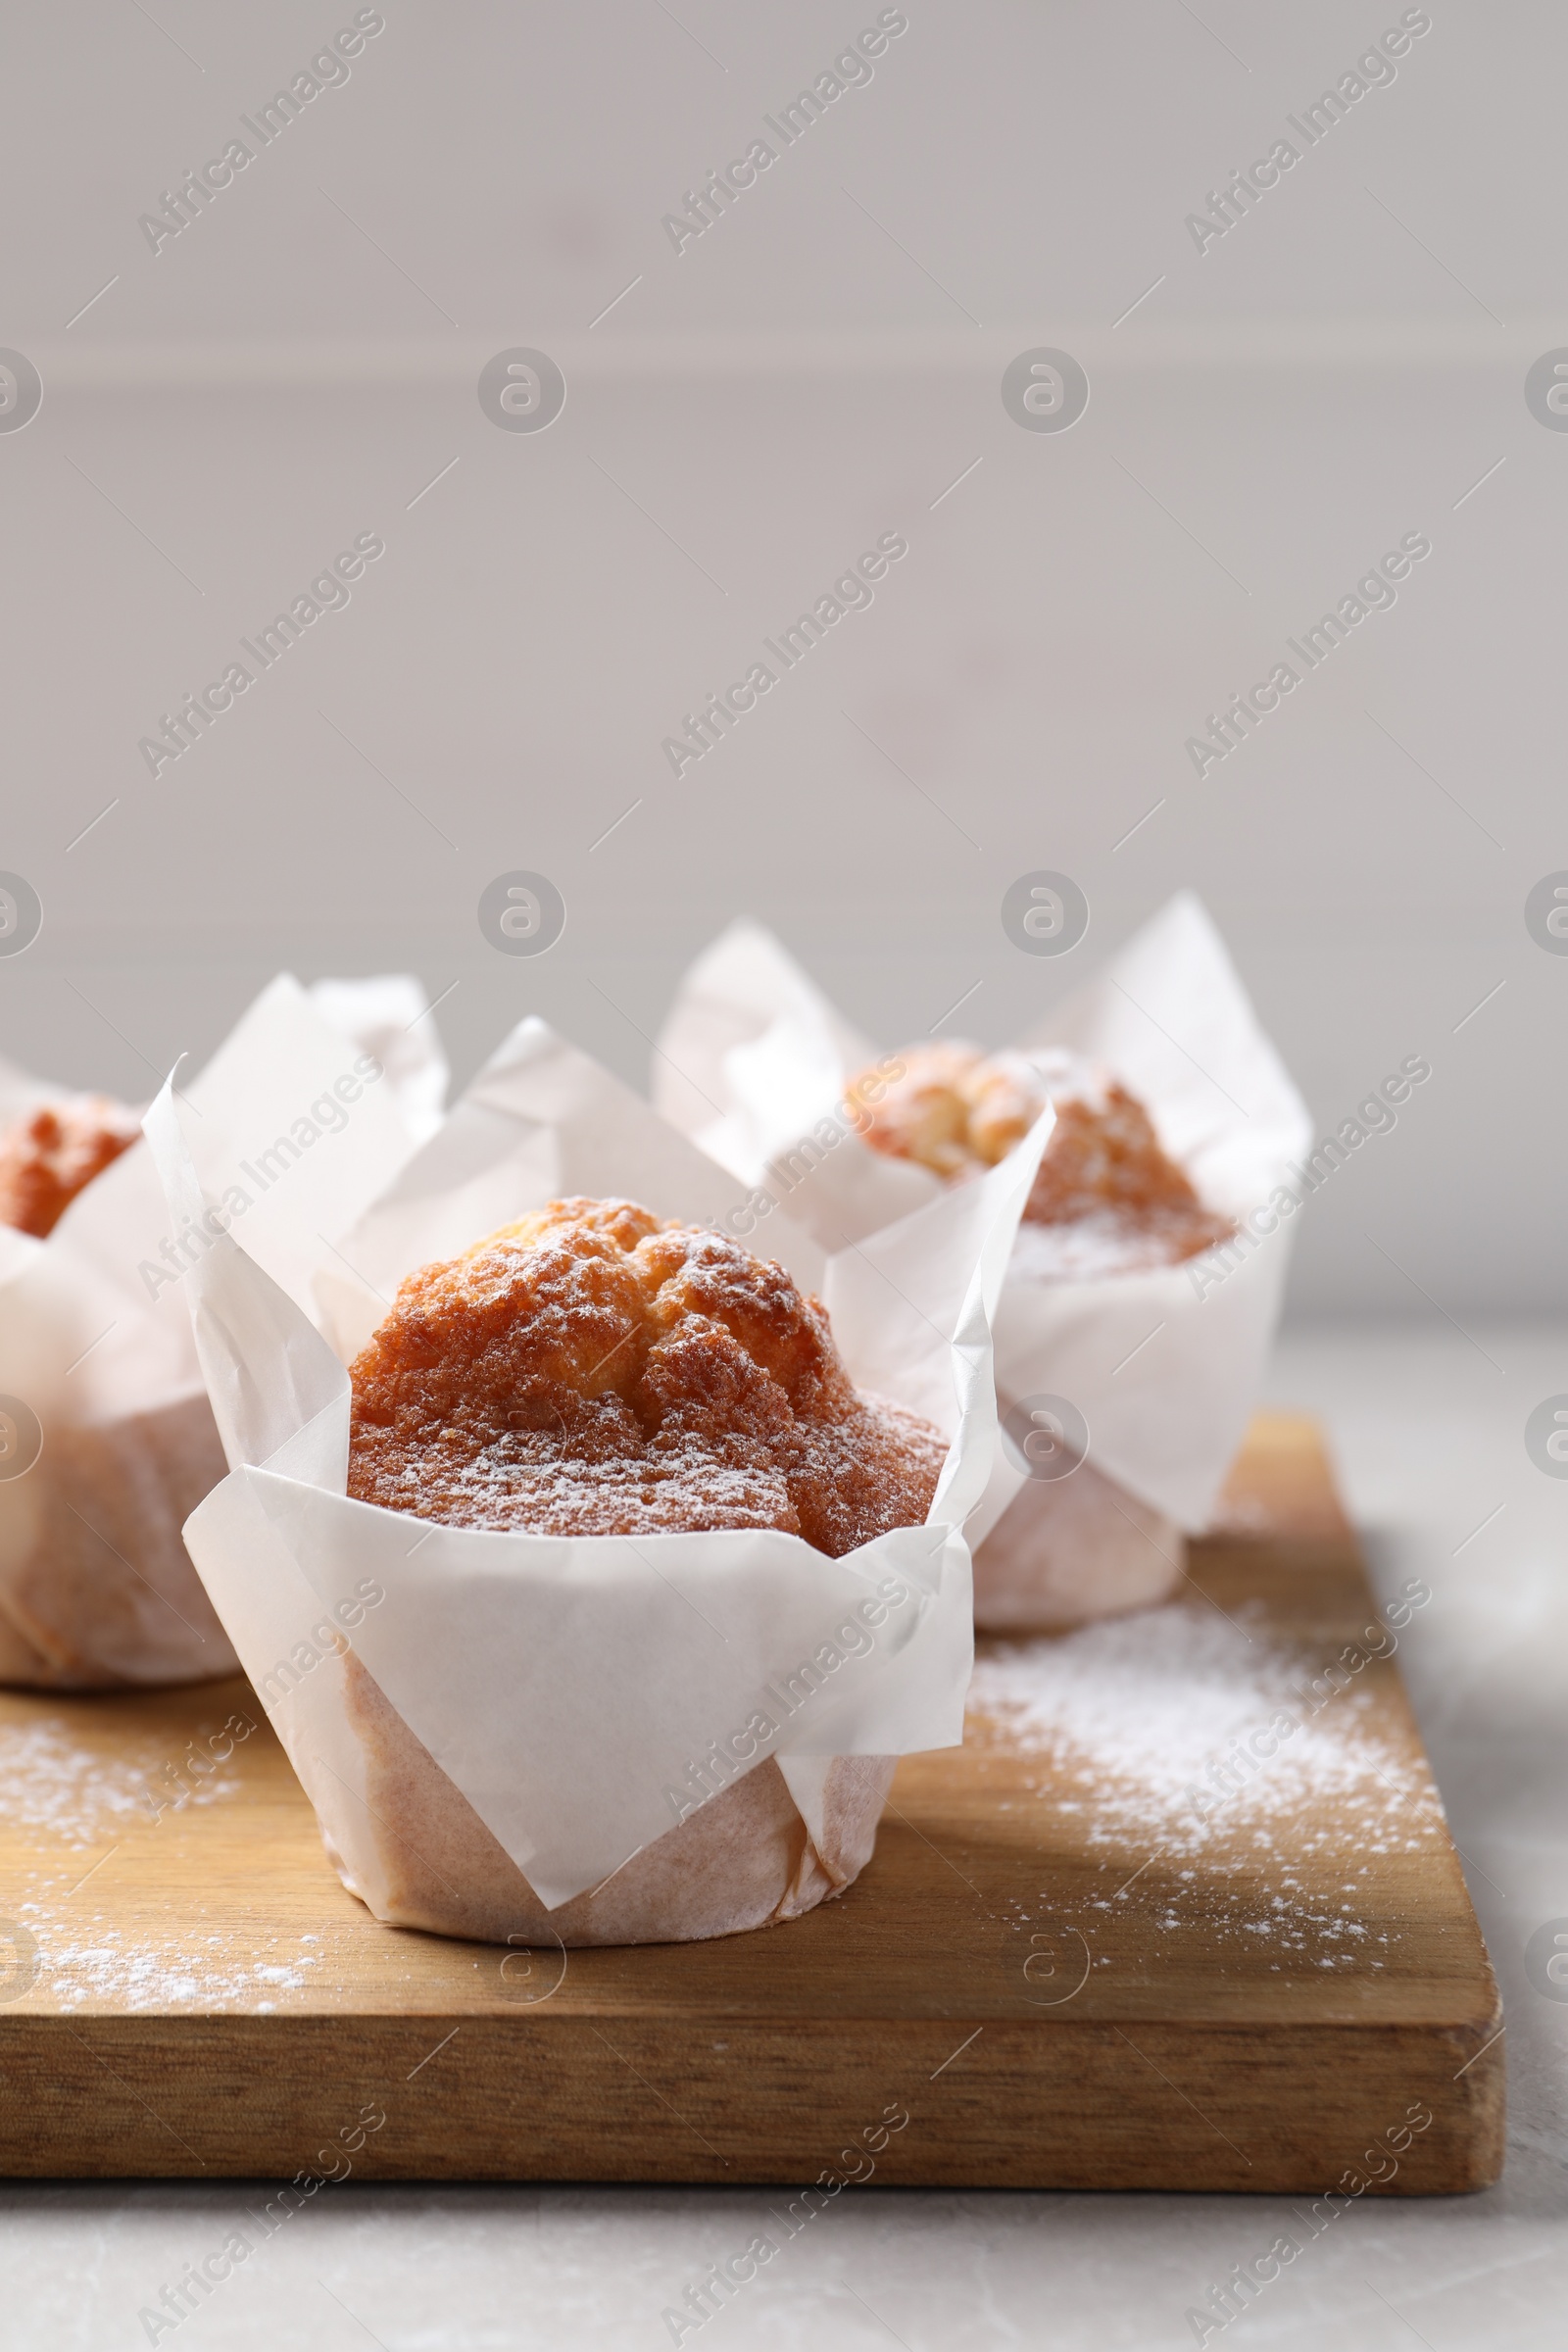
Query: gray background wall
[817, 368]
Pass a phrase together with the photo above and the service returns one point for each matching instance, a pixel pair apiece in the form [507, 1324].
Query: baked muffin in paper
[529, 1699]
[107, 1440]
[1150, 1261]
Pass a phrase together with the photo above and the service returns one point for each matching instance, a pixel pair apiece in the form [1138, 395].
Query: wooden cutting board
[1056, 1969]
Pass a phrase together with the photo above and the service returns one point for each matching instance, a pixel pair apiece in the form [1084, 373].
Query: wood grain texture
[205, 1999]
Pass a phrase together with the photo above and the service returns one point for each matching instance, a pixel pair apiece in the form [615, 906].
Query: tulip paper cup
[1123, 1397]
[596, 1740]
[107, 1440]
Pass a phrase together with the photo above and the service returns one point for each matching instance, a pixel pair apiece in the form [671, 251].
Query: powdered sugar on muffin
[593, 1370]
[1106, 1200]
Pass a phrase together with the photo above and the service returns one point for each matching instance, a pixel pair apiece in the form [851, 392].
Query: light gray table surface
[1427, 1427]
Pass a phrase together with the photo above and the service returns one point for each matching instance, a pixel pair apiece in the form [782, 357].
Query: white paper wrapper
[753, 1063]
[566, 1687]
[96, 1588]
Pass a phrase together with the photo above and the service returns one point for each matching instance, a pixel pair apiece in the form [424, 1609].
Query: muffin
[116, 1443]
[49, 1155]
[1106, 1200]
[73, 1615]
[593, 1370]
[1128, 1292]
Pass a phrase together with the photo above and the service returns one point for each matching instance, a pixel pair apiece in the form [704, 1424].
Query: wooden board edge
[514, 2098]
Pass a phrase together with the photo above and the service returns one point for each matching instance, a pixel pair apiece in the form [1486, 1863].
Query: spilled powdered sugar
[1154, 1729]
[61, 1790]
[1145, 1704]
[80, 1808]
[82, 1960]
